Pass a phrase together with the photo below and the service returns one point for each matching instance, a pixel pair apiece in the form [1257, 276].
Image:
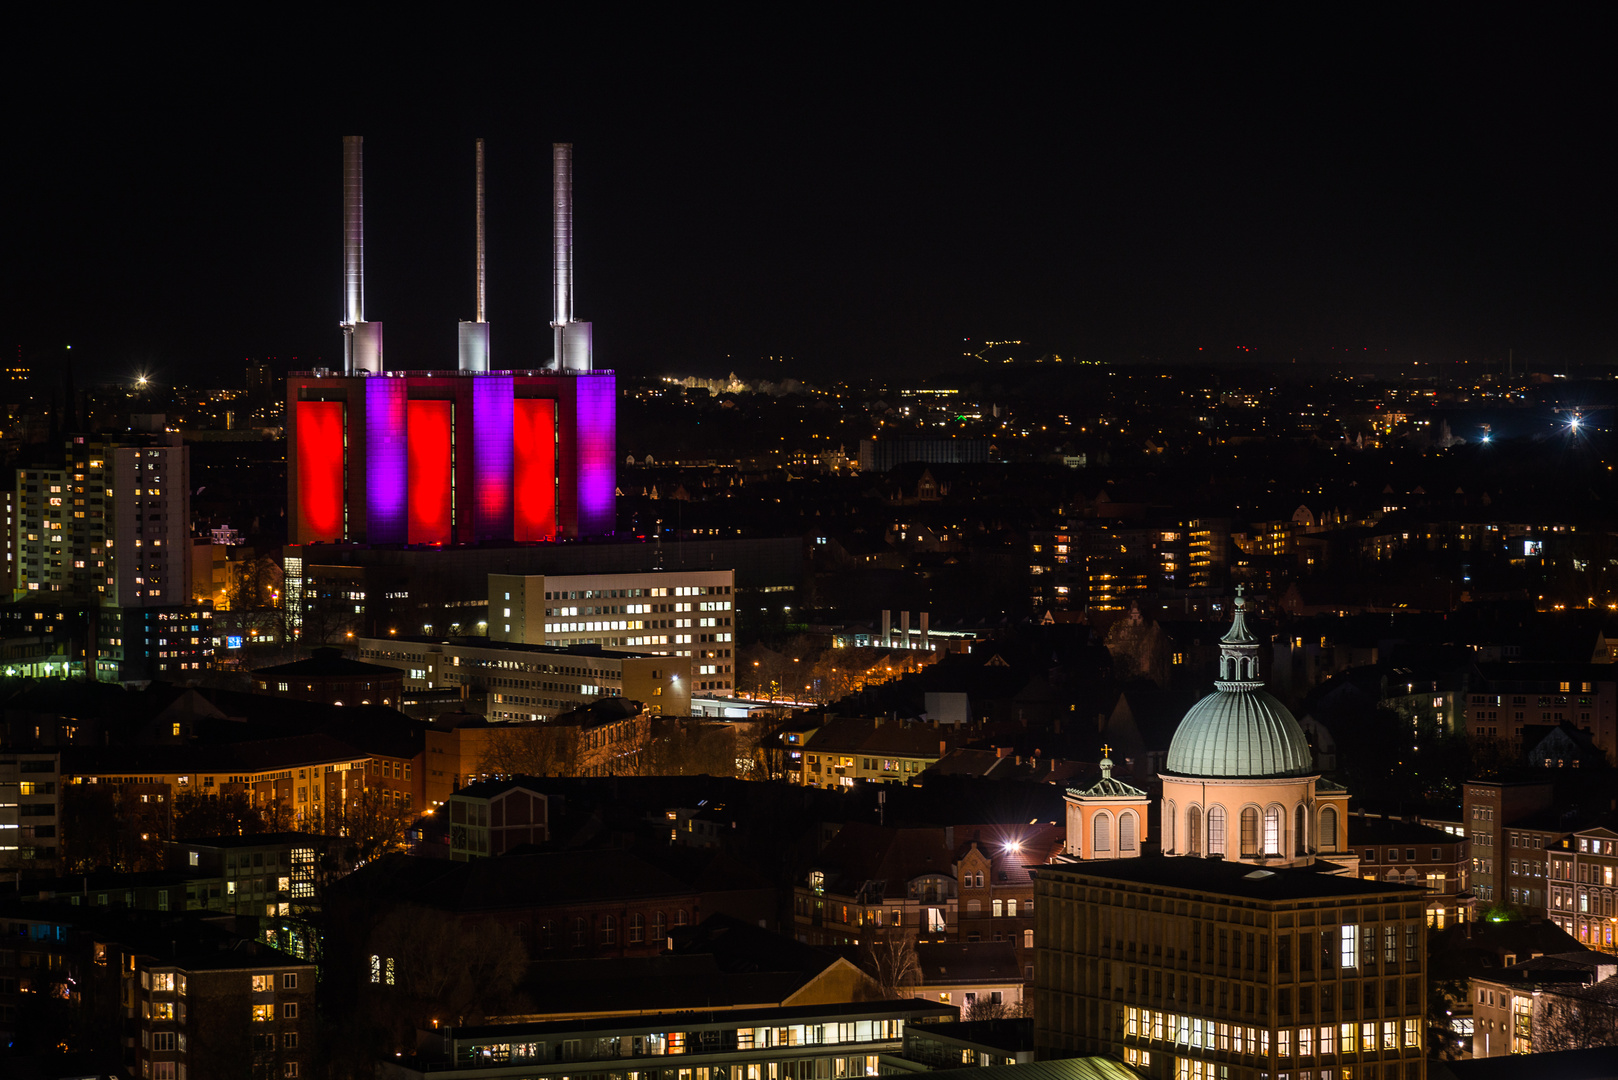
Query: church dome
[1239, 734]
[1239, 731]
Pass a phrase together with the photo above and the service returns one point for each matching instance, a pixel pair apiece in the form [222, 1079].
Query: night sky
[853, 195]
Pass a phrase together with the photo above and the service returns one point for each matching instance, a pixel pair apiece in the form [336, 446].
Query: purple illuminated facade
[596, 442]
[386, 461]
[373, 455]
[493, 450]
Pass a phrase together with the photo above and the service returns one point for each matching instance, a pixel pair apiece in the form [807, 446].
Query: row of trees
[117, 828]
[659, 746]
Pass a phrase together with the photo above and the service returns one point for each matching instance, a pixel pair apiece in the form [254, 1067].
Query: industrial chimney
[572, 339]
[362, 341]
[474, 338]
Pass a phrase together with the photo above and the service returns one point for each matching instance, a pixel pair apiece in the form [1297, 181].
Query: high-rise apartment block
[110, 524]
[668, 612]
[109, 527]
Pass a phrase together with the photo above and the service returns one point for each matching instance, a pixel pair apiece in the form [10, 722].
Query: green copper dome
[1239, 730]
[1239, 733]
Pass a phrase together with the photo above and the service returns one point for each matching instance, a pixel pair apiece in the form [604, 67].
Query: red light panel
[320, 471]
[534, 469]
[429, 428]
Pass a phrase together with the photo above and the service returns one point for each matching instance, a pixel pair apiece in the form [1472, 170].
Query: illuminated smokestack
[572, 339]
[362, 341]
[474, 339]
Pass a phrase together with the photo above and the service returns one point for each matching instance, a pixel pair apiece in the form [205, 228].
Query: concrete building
[111, 524]
[535, 682]
[677, 612]
[834, 1040]
[262, 875]
[380, 589]
[30, 810]
[1526, 1005]
[110, 528]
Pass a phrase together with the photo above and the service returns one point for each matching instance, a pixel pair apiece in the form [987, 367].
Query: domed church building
[1240, 780]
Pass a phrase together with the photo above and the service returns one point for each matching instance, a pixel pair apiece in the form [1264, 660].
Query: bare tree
[1576, 1019]
[427, 965]
[370, 821]
[888, 955]
[532, 749]
[684, 746]
[985, 1009]
[198, 815]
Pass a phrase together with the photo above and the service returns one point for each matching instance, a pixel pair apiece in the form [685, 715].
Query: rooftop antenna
[362, 341]
[474, 335]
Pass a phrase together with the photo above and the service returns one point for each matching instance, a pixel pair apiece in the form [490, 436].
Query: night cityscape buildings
[1081, 554]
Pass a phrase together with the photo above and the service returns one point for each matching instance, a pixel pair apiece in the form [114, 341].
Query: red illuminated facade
[534, 504]
[451, 457]
[431, 459]
[318, 492]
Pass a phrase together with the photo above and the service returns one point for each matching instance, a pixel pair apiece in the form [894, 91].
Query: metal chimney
[572, 339]
[474, 336]
[362, 341]
[353, 229]
[480, 317]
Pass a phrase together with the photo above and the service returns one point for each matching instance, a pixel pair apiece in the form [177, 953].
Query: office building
[687, 613]
[802, 1041]
[391, 589]
[535, 682]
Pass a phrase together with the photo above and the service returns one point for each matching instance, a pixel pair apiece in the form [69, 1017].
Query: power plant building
[454, 457]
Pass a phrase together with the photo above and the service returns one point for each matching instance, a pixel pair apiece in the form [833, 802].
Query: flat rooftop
[594, 652]
[1225, 878]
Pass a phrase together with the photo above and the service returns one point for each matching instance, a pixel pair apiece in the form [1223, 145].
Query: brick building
[1488, 807]
[1410, 853]
[211, 1013]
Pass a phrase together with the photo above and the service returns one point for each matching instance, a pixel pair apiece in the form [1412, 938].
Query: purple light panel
[597, 448]
[386, 454]
[491, 456]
